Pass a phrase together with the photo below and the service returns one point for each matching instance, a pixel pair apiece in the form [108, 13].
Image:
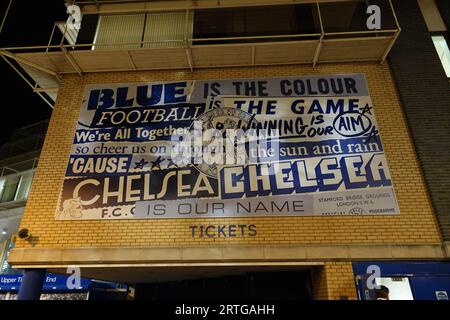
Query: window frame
[446, 36]
[16, 192]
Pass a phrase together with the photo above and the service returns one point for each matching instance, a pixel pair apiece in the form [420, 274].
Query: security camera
[24, 234]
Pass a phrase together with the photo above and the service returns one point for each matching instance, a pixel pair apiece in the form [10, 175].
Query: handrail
[187, 38]
[199, 40]
[257, 37]
[360, 32]
[188, 42]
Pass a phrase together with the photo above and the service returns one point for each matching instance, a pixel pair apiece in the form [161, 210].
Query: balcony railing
[45, 64]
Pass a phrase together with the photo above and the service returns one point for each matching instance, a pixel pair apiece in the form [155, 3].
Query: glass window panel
[2, 186]
[167, 29]
[10, 187]
[253, 21]
[115, 29]
[444, 53]
[24, 186]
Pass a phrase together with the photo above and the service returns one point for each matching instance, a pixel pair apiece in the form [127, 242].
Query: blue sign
[53, 282]
[429, 280]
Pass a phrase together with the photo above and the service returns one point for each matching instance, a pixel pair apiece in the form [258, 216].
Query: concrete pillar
[32, 282]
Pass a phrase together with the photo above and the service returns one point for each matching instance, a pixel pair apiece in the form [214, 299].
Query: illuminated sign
[292, 146]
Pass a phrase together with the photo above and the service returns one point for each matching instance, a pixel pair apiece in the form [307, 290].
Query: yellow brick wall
[333, 281]
[415, 224]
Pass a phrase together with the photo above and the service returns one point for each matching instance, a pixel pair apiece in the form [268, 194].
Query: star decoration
[157, 163]
[141, 164]
[171, 163]
[371, 135]
[366, 109]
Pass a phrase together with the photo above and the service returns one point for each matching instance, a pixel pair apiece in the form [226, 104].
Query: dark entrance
[285, 285]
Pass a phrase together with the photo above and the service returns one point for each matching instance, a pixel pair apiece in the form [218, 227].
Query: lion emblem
[72, 208]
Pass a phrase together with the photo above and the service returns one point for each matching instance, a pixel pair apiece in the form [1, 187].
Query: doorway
[258, 285]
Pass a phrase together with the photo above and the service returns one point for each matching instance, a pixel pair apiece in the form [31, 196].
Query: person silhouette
[382, 293]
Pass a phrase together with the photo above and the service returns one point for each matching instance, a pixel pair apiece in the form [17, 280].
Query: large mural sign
[266, 147]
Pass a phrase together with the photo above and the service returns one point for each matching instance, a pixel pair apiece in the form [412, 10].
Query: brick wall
[424, 91]
[319, 283]
[334, 281]
[415, 224]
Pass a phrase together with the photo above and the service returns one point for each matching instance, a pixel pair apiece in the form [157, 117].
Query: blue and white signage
[52, 282]
[292, 146]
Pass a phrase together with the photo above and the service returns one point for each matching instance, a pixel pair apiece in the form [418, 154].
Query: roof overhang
[46, 64]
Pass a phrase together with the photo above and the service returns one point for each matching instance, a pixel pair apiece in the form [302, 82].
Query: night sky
[28, 23]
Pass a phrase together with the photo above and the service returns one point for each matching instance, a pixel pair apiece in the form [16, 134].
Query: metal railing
[189, 41]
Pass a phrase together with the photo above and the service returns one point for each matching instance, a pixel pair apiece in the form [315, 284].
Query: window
[24, 186]
[254, 22]
[163, 29]
[8, 188]
[116, 29]
[15, 187]
[167, 29]
[5, 249]
[440, 43]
